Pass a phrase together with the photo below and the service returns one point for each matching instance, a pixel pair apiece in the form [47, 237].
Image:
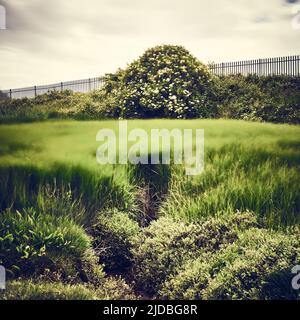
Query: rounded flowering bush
[166, 81]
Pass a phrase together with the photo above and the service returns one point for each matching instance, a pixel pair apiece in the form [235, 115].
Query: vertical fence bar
[292, 65]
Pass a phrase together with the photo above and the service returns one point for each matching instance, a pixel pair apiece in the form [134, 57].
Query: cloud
[64, 40]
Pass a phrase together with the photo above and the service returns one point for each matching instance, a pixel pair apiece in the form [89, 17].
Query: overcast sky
[73, 39]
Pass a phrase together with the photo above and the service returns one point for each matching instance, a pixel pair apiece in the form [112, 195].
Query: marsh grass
[240, 177]
[248, 165]
[26, 186]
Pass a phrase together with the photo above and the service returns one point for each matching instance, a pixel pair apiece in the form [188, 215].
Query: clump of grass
[112, 239]
[111, 289]
[31, 242]
[239, 178]
[71, 188]
[28, 290]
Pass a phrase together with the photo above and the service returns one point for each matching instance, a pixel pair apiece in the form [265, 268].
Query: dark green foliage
[30, 242]
[267, 98]
[112, 236]
[55, 105]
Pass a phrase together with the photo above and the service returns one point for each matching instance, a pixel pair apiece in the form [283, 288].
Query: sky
[52, 41]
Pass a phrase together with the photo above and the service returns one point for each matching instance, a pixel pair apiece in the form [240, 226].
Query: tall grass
[73, 186]
[239, 178]
[248, 165]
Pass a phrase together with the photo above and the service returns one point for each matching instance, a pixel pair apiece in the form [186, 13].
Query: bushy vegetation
[166, 81]
[47, 241]
[256, 266]
[55, 105]
[30, 241]
[113, 234]
[267, 98]
[166, 244]
[52, 255]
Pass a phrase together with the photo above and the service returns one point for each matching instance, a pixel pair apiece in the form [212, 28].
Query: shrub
[164, 81]
[266, 98]
[166, 244]
[244, 269]
[112, 236]
[56, 104]
[115, 288]
[31, 242]
[253, 267]
[239, 98]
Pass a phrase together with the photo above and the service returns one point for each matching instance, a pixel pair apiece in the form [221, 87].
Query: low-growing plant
[110, 289]
[29, 290]
[244, 269]
[30, 242]
[253, 267]
[112, 237]
[75, 191]
[167, 244]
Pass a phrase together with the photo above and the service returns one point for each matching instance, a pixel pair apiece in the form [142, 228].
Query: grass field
[247, 166]
[53, 193]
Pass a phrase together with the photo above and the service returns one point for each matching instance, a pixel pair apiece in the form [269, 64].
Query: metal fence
[85, 85]
[289, 66]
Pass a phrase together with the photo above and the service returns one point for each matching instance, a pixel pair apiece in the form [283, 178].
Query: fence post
[61, 86]
[35, 91]
[90, 89]
[259, 67]
[10, 94]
